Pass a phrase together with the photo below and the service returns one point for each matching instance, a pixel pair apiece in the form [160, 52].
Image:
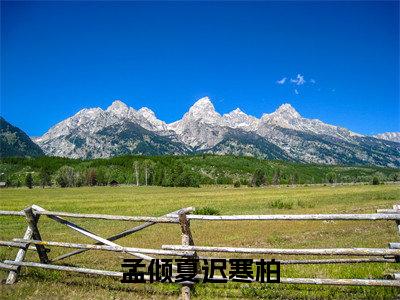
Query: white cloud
[312, 81]
[299, 80]
[296, 91]
[282, 81]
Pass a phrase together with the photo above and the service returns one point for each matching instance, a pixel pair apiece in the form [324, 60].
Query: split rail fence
[32, 240]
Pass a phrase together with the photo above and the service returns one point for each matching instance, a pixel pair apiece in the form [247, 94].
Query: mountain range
[15, 142]
[283, 134]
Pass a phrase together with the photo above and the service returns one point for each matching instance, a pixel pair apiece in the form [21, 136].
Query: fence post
[396, 207]
[187, 240]
[32, 222]
[12, 276]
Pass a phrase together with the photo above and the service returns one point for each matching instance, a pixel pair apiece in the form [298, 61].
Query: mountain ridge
[203, 129]
[15, 142]
[389, 136]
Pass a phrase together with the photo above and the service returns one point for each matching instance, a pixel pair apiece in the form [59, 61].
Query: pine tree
[29, 180]
[45, 178]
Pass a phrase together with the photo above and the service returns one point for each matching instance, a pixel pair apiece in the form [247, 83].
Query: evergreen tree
[29, 180]
[375, 180]
[45, 177]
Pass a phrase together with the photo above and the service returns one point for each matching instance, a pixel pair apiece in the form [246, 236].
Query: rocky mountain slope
[15, 142]
[389, 136]
[283, 134]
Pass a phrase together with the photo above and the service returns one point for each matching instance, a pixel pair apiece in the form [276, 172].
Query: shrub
[236, 184]
[375, 180]
[330, 177]
[207, 211]
[280, 204]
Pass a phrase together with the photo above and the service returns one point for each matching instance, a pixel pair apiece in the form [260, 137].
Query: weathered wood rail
[32, 240]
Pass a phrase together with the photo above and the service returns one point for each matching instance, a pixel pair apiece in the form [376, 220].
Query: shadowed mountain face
[15, 142]
[283, 134]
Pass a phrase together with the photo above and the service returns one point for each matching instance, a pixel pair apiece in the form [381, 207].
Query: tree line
[180, 171]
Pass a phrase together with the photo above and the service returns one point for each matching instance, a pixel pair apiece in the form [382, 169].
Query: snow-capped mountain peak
[238, 119]
[203, 109]
[284, 116]
[236, 111]
[150, 116]
[203, 102]
[287, 117]
[201, 113]
[87, 112]
[286, 110]
[147, 113]
[118, 107]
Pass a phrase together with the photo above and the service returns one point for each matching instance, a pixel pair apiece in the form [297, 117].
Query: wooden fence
[32, 240]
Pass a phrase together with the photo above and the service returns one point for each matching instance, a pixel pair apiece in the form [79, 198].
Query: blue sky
[59, 57]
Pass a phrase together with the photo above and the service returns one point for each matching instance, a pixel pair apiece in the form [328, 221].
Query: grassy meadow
[156, 201]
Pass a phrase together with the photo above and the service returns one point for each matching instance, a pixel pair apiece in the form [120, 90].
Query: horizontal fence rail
[322, 217]
[11, 213]
[32, 241]
[312, 281]
[330, 251]
[111, 217]
[174, 219]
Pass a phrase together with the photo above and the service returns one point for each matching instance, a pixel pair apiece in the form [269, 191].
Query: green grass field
[156, 201]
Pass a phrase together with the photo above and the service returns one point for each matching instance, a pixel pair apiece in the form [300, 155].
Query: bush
[375, 180]
[280, 204]
[207, 211]
[236, 184]
[330, 177]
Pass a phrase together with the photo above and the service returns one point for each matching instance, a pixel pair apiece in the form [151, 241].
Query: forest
[181, 171]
